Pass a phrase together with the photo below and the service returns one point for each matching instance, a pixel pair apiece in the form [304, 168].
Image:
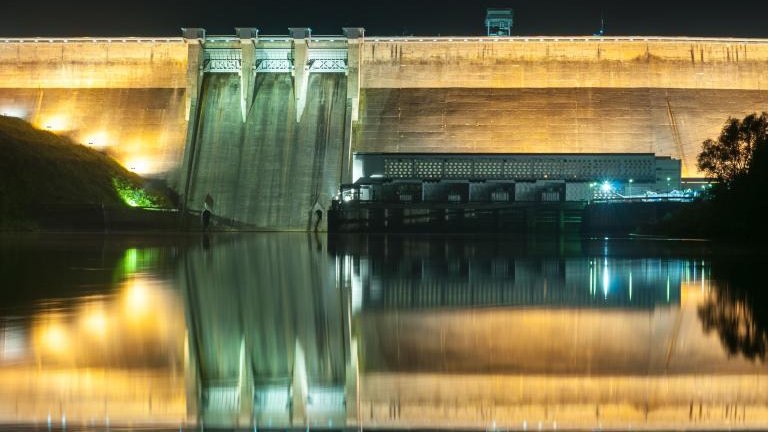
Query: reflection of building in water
[429, 274]
[269, 333]
[425, 282]
[280, 333]
[572, 342]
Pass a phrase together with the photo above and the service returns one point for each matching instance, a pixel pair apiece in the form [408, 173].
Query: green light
[130, 261]
[132, 195]
[135, 260]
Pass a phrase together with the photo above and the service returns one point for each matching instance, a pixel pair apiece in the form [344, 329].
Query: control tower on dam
[263, 129]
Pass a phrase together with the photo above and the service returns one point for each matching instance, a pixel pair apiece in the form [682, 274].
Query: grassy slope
[40, 169]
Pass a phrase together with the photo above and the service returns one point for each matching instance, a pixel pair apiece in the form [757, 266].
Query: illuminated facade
[498, 178]
[211, 113]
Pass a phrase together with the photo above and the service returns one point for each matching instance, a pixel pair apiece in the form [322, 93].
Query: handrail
[563, 39]
[92, 39]
[404, 39]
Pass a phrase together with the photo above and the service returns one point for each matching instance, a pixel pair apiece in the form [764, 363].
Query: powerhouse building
[473, 177]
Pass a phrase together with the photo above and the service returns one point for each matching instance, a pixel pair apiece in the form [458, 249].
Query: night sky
[393, 17]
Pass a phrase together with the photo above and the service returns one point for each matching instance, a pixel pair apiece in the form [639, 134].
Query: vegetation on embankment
[735, 207]
[41, 172]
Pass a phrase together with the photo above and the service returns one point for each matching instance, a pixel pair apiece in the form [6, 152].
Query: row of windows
[509, 169]
[435, 293]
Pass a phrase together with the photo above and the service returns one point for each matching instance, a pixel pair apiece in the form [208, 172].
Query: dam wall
[263, 127]
[555, 95]
[126, 97]
[266, 142]
[270, 171]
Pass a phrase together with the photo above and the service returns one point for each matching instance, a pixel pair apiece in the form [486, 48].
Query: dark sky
[392, 17]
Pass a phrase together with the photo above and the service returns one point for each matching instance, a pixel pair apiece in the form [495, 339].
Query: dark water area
[295, 330]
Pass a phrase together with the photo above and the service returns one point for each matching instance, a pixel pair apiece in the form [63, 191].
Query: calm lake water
[297, 330]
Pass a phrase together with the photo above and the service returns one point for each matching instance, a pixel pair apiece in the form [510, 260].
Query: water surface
[290, 330]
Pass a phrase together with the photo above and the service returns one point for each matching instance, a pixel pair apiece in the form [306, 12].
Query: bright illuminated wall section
[556, 95]
[126, 97]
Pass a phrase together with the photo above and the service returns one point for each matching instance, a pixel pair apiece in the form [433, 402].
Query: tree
[730, 156]
[737, 309]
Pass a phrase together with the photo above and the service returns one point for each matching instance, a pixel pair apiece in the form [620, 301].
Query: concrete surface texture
[518, 95]
[124, 97]
[132, 98]
[270, 172]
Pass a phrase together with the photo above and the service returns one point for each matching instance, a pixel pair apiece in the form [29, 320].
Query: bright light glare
[96, 322]
[55, 123]
[606, 187]
[54, 338]
[347, 198]
[97, 139]
[137, 297]
[138, 165]
[13, 112]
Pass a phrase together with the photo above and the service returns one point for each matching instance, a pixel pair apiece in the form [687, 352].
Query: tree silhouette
[730, 156]
[738, 308]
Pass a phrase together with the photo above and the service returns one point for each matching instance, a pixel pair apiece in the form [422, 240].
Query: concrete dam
[263, 128]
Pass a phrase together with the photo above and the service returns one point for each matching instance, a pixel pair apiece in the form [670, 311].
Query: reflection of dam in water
[270, 331]
[324, 352]
[276, 331]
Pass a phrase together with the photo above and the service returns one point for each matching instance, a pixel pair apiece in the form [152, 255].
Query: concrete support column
[300, 46]
[299, 388]
[194, 38]
[248, 39]
[355, 38]
[351, 367]
[245, 415]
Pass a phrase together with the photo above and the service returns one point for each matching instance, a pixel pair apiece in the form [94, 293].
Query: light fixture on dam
[97, 139]
[13, 112]
[138, 165]
[55, 123]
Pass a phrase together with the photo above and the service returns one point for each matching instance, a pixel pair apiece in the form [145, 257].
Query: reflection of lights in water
[130, 261]
[95, 322]
[54, 337]
[55, 123]
[606, 278]
[137, 296]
